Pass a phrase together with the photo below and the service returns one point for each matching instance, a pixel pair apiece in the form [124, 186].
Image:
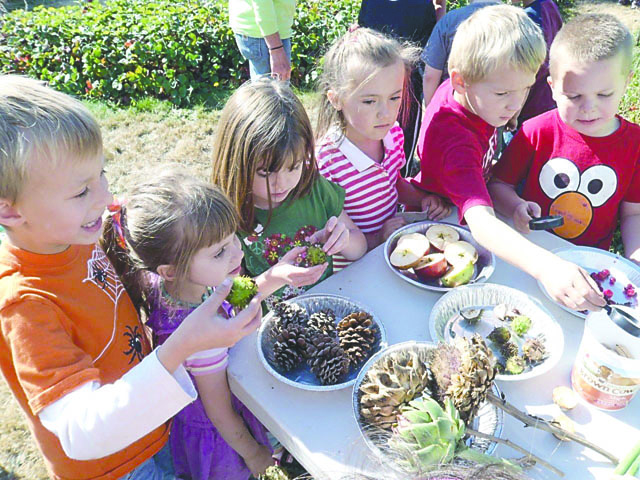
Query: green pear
[458, 275]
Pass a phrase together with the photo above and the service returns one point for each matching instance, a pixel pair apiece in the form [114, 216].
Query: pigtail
[114, 245]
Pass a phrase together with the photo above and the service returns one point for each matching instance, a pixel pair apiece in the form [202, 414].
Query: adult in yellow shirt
[263, 34]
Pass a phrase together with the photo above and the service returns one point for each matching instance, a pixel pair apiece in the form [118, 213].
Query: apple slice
[417, 242]
[458, 275]
[460, 252]
[431, 266]
[403, 257]
[441, 235]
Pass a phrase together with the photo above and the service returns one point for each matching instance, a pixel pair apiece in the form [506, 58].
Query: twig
[510, 444]
[547, 426]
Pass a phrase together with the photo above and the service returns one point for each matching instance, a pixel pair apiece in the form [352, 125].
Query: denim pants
[158, 467]
[256, 51]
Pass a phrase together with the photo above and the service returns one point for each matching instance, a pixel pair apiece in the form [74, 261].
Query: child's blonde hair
[262, 126]
[590, 38]
[353, 59]
[165, 221]
[494, 37]
[39, 122]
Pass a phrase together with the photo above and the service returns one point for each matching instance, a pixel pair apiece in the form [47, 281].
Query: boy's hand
[572, 286]
[436, 207]
[334, 236]
[294, 275]
[391, 225]
[523, 213]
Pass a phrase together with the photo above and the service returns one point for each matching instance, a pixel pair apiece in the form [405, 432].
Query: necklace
[181, 303]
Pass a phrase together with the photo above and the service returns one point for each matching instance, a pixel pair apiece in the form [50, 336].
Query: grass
[148, 134]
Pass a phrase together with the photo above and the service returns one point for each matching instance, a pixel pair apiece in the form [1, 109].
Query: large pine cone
[290, 345]
[326, 358]
[474, 378]
[289, 313]
[357, 334]
[391, 383]
[323, 321]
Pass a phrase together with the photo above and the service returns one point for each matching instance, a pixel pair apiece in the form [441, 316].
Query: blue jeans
[158, 467]
[256, 51]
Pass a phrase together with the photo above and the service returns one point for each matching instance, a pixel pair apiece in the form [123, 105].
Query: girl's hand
[259, 461]
[205, 328]
[391, 225]
[570, 285]
[436, 207]
[294, 275]
[523, 213]
[334, 236]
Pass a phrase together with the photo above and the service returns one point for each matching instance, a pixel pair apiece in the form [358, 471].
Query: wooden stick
[510, 444]
[547, 426]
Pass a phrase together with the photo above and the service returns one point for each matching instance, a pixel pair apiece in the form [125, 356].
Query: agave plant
[428, 435]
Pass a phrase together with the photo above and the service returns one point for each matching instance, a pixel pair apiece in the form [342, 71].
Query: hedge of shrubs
[125, 50]
[130, 49]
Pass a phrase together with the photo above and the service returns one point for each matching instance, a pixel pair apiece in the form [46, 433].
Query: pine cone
[464, 373]
[289, 313]
[534, 350]
[392, 382]
[326, 358]
[357, 334]
[290, 344]
[323, 321]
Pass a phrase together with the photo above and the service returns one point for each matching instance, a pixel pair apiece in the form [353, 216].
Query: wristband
[276, 48]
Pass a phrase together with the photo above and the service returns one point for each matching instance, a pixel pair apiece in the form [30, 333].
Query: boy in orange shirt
[72, 348]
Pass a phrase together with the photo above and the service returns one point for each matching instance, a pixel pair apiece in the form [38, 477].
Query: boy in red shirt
[493, 62]
[581, 161]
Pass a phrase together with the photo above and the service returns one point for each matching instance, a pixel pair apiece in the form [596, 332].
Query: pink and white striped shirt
[371, 193]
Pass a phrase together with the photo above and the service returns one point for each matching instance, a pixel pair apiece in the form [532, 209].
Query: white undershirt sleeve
[95, 420]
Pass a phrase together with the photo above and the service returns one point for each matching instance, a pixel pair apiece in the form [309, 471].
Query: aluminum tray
[484, 267]
[302, 377]
[489, 295]
[489, 420]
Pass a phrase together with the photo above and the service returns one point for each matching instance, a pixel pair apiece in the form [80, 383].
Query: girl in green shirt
[264, 161]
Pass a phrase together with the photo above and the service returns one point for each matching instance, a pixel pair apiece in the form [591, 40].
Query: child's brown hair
[263, 126]
[165, 221]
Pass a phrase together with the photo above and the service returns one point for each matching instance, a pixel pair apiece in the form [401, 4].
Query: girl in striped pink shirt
[361, 145]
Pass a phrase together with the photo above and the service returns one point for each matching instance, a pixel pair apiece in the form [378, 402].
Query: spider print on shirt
[135, 343]
[101, 273]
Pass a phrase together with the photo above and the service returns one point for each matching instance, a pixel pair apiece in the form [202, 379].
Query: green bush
[127, 50]
[130, 49]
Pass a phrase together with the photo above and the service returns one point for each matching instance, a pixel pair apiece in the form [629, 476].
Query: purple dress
[199, 451]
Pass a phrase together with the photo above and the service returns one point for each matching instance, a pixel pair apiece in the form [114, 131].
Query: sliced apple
[416, 242]
[403, 258]
[460, 252]
[458, 275]
[431, 266]
[441, 235]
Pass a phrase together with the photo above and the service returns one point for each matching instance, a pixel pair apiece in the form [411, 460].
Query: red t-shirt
[582, 178]
[455, 148]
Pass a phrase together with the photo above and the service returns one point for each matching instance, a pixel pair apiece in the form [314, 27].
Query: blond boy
[72, 348]
[494, 59]
[581, 161]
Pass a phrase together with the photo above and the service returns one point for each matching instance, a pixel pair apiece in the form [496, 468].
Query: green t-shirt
[290, 223]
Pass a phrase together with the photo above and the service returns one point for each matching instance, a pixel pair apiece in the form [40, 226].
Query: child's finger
[292, 254]
[213, 303]
[534, 209]
[336, 240]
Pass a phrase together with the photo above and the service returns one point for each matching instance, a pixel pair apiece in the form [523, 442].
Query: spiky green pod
[243, 290]
[521, 324]
[315, 255]
[515, 365]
